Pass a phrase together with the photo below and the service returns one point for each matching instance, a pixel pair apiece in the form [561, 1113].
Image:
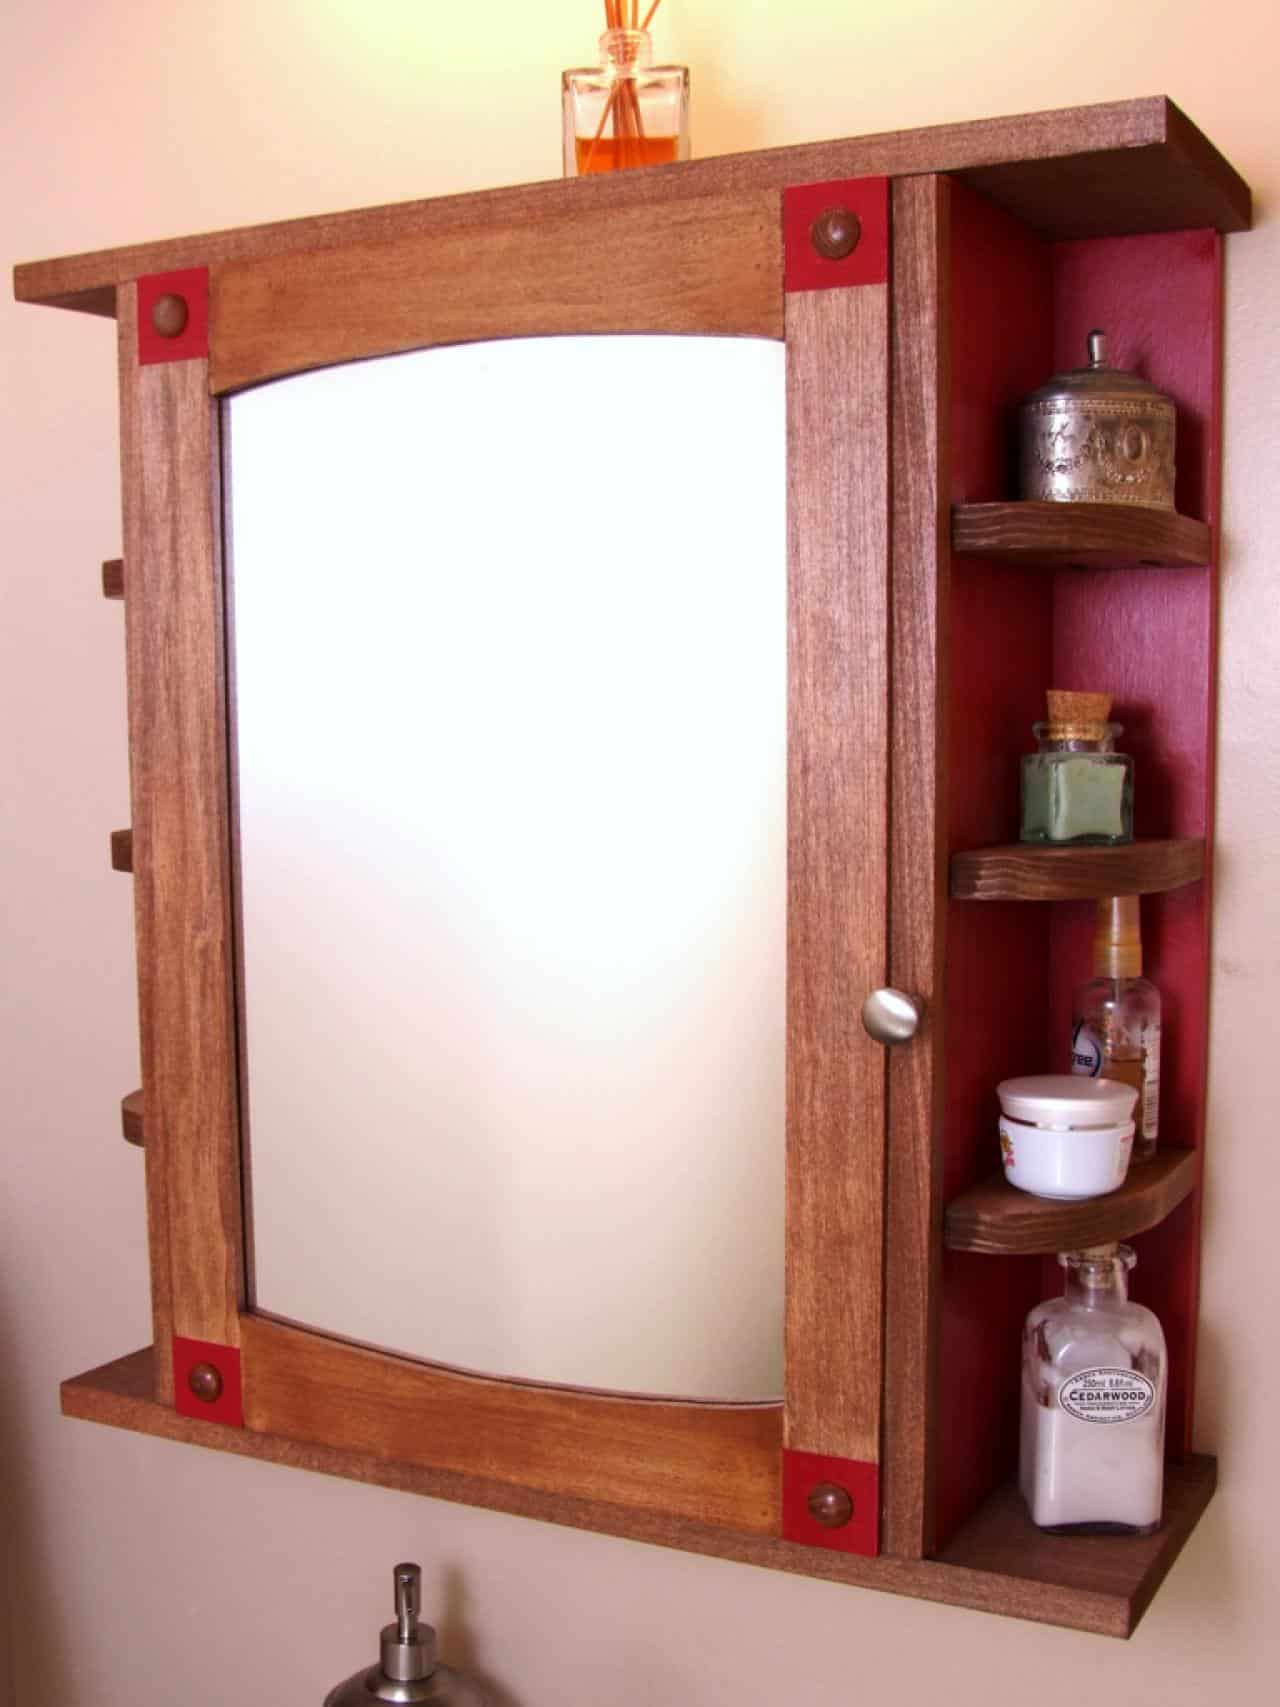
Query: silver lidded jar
[1098, 435]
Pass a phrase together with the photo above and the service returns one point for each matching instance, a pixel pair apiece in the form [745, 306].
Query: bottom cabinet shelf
[1057, 1578]
[997, 1562]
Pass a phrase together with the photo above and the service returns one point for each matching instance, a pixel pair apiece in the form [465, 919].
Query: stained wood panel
[707, 266]
[997, 1218]
[1026, 871]
[837, 546]
[180, 848]
[704, 1477]
[711, 1463]
[1114, 167]
[917, 904]
[131, 1125]
[1000, 1539]
[998, 1563]
[1044, 534]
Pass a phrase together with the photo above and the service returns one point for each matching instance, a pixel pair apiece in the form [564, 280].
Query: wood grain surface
[837, 848]
[131, 1118]
[716, 1464]
[1090, 192]
[177, 742]
[982, 307]
[998, 1563]
[1076, 171]
[917, 893]
[1000, 1538]
[998, 1219]
[709, 266]
[1033, 871]
[1099, 536]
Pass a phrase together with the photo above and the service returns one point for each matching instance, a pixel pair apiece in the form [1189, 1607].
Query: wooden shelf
[113, 578]
[1098, 171]
[131, 1118]
[122, 850]
[999, 1220]
[1122, 1572]
[1035, 871]
[1087, 536]
[997, 1562]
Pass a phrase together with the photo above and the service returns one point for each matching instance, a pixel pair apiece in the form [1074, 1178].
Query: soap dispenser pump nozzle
[408, 1670]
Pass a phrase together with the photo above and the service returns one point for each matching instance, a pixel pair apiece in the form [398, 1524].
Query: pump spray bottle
[1116, 1025]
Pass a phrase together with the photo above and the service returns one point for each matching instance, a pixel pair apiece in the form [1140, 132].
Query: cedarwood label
[1107, 1395]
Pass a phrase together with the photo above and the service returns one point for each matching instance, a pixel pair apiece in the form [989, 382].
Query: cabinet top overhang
[1108, 170]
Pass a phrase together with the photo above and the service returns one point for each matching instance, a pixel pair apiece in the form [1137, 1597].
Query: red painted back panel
[1021, 310]
[1149, 638]
[999, 654]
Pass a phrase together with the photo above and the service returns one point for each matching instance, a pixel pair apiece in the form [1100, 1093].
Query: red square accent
[802, 1472]
[868, 262]
[191, 285]
[228, 1407]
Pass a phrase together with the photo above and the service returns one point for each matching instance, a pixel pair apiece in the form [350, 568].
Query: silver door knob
[892, 1017]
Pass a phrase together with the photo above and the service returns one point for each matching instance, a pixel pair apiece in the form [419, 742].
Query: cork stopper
[1077, 716]
[1117, 938]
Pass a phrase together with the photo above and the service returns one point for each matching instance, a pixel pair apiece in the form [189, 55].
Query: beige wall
[143, 1572]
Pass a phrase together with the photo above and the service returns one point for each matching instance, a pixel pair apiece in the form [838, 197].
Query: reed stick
[623, 105]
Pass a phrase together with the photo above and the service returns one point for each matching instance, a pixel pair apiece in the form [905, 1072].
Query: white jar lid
[1065, 1100]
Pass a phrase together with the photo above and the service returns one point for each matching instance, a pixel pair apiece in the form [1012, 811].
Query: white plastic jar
[1064, 1136]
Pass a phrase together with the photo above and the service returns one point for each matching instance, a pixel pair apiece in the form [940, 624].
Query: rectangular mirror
[509, 669]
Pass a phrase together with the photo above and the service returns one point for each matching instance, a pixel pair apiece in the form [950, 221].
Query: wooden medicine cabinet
[920, 283]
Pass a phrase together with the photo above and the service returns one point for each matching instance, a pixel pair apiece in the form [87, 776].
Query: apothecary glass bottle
[626, 111]
[1094, 1378]
[1075, 786]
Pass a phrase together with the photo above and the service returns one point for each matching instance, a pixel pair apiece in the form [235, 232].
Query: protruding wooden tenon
[131, 1118]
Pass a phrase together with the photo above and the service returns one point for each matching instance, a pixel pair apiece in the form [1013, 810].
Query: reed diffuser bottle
[626, 111]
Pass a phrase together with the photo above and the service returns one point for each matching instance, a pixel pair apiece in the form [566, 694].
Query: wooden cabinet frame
[720, 247]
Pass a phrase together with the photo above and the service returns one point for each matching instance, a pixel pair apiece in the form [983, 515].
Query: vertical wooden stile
[920, 581]
[177, 731]
[838, 540]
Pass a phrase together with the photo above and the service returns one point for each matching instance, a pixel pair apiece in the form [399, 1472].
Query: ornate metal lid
[1098, 380]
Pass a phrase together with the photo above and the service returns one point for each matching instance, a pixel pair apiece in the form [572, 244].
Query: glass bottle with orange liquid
[626, 111]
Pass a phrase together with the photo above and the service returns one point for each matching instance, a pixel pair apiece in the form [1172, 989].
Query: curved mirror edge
[509, 670]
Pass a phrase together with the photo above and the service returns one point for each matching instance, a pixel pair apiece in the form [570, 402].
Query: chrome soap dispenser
[408, 1669]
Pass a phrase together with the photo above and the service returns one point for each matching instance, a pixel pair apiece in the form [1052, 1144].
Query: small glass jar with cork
[1075, 786]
